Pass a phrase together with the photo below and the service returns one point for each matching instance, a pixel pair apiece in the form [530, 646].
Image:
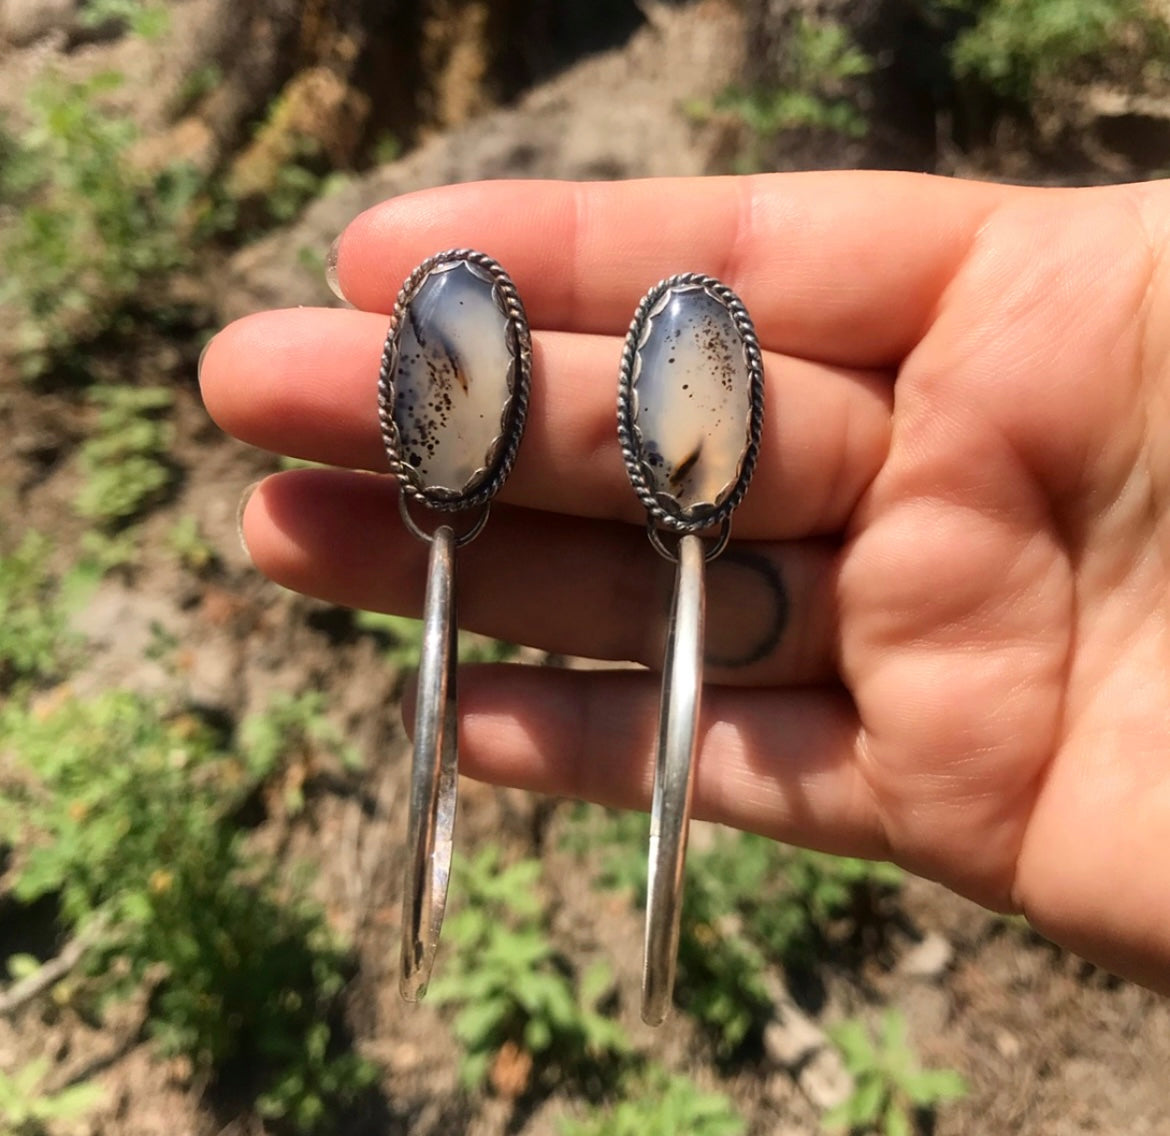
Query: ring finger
[592, 588]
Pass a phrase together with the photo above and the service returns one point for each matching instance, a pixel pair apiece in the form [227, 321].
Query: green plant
[812, 90]
[124, 462]
[656, 1103]
[296, 182]
[27, 1109]
[749, 903]
[509, 982]
[103, 551]
[387, 148]
[190, 545]
[291, 732]
[140, 18]
[124, 814]
[1013, 46]
[819, 891]
[197, 85]
[721, 966]
[83, 230]
[890, 1087]
[34, 641]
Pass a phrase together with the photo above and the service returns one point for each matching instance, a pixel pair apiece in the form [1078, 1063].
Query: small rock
[792, 1037]
[928, 959]
[793, 1040]
[1007, 1045]
[213, 680]
[825, 1080]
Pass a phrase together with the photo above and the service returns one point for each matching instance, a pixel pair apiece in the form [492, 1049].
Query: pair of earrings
[452, 397]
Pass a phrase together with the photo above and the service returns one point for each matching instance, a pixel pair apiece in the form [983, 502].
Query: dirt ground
[1049, 1045]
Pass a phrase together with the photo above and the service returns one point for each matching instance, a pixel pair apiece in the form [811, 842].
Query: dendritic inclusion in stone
[692, 401]
[453, 380]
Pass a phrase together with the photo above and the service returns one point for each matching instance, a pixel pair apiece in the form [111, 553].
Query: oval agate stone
[453, 387]
[692, 402]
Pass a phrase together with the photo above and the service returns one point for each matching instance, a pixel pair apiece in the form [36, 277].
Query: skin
[940, 635]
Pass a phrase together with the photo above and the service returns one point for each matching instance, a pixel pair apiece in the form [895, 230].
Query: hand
[942, 632]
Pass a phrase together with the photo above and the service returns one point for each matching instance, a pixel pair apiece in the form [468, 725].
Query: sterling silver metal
[682, 671]
[678, 724]
[434, 770]
[434, 774]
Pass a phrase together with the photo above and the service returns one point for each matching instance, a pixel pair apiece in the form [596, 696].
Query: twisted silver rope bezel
[630, 437]
[487, 480]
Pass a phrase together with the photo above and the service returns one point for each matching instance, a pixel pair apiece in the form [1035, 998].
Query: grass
[124, 462]
[654, 1102]
[750, 904]
[83, 230]
[891, 1091]
[1014, 46]
[35, 644]
[29, 1108]
[124, 815]
[514, 992]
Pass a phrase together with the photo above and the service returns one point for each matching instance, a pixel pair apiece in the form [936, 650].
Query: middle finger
[303, 382]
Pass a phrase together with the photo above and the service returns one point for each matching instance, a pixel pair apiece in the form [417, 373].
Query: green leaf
[897, 1123]
[894, 1031]
[22, 966]
[932, 1086]
[867, 1102]
[853, 1041]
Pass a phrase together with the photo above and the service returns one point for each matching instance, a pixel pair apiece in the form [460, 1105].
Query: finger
[572, 587]
[840, 267]
[779, 763]
[303, 382]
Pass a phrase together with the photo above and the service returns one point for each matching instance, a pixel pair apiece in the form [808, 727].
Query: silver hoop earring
[452, 399]
[690, 415]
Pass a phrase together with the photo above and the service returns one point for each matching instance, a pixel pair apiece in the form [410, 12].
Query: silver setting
[665, 510]
[501, 454]
[435, 762]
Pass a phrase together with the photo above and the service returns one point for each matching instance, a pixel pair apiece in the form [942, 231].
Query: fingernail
[331, 276]
[202, 356]
[245, 497]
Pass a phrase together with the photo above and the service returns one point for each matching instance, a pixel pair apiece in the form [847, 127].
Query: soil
[1049, 1045]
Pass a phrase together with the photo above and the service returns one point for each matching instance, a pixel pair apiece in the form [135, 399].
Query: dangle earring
[690, 413]
[452, 398]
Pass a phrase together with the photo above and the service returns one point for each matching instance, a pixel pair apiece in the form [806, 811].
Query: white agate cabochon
[453, 380]
[692, 400]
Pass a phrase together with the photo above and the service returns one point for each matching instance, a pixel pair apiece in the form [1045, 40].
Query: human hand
[940, 634]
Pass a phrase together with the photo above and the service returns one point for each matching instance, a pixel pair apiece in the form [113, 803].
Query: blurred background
[202, 777]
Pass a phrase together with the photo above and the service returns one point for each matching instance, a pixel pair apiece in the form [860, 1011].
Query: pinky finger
[778, 763]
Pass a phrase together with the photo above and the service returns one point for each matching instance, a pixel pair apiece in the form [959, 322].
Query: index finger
[844, 268]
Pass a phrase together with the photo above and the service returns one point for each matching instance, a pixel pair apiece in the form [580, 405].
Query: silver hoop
[463, 538]
[674, 776]
[434, 774]
[710, 551]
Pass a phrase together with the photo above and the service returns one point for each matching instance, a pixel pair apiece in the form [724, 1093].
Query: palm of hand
[1003, 616]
